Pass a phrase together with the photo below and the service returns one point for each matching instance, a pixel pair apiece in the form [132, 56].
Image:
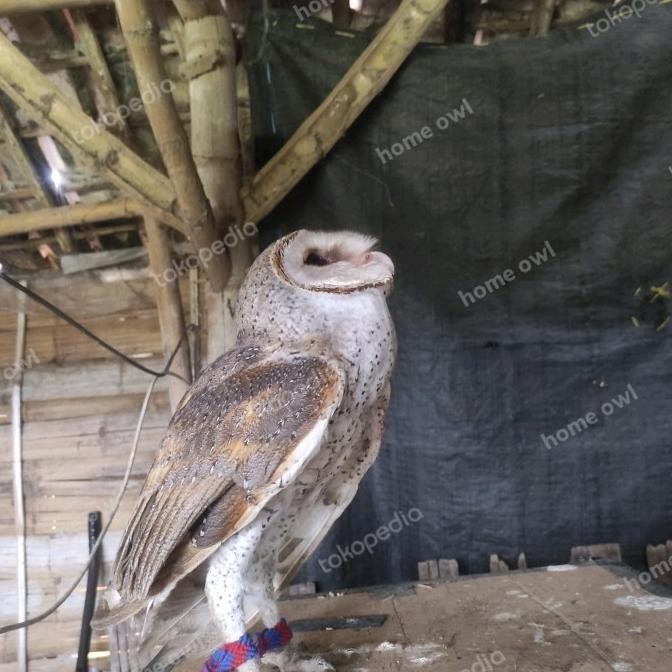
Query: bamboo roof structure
[99, 127]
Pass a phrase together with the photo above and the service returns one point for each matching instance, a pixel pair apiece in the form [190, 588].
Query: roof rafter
[69, 215]
[37, 191]
[365, 79]
[140, 31]
[96, 147]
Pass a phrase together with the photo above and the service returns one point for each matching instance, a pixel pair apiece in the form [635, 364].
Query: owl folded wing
[243, 432]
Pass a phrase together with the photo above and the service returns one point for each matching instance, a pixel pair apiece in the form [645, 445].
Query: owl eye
[314, 259]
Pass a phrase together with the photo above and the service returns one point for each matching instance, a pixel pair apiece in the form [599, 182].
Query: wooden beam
[169, 304]
[18, 152]
[34, 243]
[365, 79]
[141, 33]
[44, 102]
[70, 215]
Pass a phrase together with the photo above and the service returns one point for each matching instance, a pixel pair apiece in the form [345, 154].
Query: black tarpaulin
[564, 145]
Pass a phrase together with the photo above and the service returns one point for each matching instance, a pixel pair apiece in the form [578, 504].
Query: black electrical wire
[80, 327]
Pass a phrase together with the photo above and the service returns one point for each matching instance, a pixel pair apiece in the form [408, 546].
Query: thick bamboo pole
[210, 68]
[69, 215]
[365, 79]
[142, 38]
[41, 100]
[169, 304]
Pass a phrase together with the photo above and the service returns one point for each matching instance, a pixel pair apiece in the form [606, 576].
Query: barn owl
[267, 448]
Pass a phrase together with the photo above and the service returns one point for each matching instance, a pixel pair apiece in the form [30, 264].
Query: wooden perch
[44, 102]
[72, 215]
[142, 38]
[365, 79]
[169, 304]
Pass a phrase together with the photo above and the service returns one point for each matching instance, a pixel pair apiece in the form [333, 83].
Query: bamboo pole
[19, 503]
[108, 100]
[365, 79]
[69, 215]
[141, 35]
[34, 243]
[43, 101]
[210, 68]
[169, 304]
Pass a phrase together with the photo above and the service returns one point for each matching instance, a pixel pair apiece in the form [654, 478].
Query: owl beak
[379, 259]
[384, 268]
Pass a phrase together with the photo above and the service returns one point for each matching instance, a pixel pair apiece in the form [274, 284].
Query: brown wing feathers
[237, 429]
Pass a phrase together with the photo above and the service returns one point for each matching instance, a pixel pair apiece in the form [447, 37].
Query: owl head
[313, 280]
[337, 262]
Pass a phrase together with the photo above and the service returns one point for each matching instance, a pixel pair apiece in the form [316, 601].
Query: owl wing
[316, 522]
[242, 433]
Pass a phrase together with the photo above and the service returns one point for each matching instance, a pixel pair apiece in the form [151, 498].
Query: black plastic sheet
[565, 145]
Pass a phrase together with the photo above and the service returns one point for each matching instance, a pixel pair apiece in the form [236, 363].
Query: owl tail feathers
[118, 614]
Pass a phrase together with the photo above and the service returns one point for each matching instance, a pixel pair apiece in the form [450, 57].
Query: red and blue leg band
[230, 656]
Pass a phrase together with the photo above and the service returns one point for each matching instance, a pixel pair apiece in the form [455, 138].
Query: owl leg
[225, 587]
[261, 595]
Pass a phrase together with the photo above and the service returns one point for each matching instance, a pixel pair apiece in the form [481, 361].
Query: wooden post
[169, 303]
[365, 79]
[141, 34]
[19, 504]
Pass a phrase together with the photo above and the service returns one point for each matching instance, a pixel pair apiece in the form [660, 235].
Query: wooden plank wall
[80, 410]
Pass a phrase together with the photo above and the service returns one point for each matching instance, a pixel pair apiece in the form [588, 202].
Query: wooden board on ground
[558, 619]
